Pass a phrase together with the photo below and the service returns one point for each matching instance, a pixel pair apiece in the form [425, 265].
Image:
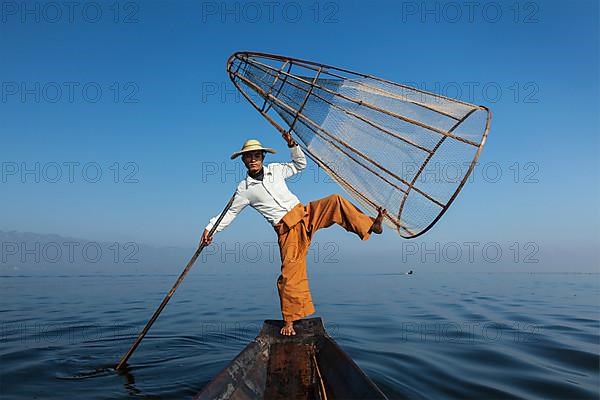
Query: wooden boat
[309, 365]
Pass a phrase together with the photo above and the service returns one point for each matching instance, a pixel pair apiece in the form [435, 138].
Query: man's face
[253, 161]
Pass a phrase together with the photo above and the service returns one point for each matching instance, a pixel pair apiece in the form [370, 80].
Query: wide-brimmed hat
[251, 145]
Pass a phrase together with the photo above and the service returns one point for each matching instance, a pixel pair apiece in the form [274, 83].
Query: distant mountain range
[28, 252]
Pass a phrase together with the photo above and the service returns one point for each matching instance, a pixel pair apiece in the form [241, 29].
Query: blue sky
[139, 93]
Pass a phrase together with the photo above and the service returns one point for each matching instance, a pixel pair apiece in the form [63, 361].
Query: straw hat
[251, 145]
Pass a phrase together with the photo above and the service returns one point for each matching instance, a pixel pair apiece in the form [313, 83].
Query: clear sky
[137, 92]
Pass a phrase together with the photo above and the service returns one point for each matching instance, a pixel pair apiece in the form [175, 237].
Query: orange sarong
[295, 231]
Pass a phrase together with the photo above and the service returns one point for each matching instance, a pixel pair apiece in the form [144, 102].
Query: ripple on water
[439, 337]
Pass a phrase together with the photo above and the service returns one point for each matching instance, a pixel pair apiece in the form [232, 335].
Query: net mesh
[388, 145]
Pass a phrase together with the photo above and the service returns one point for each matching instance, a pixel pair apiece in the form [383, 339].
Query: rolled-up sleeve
[298, 162]
[239, 203]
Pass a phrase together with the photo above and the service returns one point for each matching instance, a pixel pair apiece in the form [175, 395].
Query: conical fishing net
[386, 144]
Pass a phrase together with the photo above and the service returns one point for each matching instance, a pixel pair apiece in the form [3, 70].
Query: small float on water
[309, 365]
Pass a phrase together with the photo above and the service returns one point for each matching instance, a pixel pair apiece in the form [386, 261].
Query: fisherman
[265, 190]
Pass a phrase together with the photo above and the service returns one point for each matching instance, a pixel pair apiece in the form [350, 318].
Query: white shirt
[270, 197]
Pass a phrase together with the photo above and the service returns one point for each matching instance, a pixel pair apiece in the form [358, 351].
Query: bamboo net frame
[364, 131]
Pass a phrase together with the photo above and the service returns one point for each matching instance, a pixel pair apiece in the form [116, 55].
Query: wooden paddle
[173, 289]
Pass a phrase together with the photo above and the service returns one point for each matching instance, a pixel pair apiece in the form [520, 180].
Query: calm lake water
[427, 335]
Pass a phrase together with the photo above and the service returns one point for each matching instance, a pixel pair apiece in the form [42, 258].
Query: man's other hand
[289, 139]
[205, 240]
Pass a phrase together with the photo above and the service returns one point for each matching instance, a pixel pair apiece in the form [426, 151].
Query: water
[429, 335]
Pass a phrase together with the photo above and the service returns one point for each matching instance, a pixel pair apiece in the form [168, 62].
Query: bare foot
[377, 226]
[288, 329]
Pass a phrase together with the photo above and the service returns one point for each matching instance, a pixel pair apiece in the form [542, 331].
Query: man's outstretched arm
[298, 158]
[239, 203]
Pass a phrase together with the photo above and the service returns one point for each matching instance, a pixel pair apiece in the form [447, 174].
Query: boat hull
[309, 365]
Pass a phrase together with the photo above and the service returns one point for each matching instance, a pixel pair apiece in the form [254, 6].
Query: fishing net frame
[363, 110]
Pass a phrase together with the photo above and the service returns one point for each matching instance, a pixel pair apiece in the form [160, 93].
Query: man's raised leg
[335, 209]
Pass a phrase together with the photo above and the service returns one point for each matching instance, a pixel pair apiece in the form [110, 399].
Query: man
[265, 190]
